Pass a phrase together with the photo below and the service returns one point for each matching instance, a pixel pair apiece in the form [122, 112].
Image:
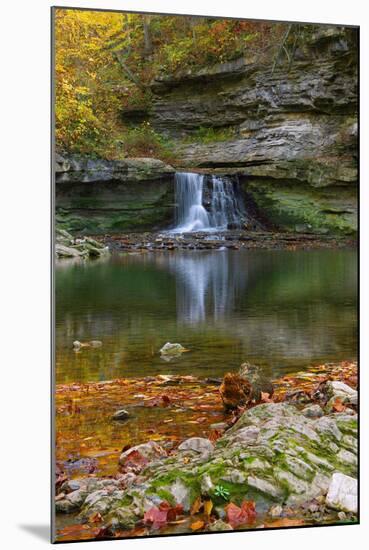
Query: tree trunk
[129, 73]
[147, 36]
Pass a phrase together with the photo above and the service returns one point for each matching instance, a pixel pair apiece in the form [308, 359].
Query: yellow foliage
[86, 103]
[104, 62]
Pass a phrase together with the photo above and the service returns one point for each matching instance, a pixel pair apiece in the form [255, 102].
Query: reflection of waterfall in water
[206, 285]
[225, 209]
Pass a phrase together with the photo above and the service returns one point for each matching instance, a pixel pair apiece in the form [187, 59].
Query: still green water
[283, 310]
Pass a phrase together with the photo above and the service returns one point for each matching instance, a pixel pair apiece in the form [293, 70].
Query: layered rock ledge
[293, 129]
[97, 196]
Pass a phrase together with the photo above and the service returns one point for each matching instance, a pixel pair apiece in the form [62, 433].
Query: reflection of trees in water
[283, 307]
[271, 307]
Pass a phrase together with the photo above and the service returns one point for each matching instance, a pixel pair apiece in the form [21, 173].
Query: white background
[25, 286]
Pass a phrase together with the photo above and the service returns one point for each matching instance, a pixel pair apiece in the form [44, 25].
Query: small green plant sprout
[222, 492]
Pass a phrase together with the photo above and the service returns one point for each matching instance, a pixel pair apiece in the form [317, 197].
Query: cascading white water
[225, 207]
[190, 213]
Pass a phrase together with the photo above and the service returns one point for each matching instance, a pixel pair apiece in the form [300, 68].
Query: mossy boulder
[67, 246]
[273, 454]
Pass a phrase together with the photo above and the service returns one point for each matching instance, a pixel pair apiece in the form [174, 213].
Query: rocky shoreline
[284, 463]
[67, 246]
[228, 240]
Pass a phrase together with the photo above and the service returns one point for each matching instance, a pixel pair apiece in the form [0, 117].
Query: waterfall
[190, 213]
[225, 207]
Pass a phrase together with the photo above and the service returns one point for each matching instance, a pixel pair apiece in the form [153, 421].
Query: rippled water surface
[281, 309]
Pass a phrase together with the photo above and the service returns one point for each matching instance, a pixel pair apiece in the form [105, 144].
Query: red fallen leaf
[338, 406]
[158, 401]
[238, 516]
[265, 397]
[172, 511]
[156, 517]
[159, 516]
[103, 532]
[95, 518]
[134, 460]
[214, 435]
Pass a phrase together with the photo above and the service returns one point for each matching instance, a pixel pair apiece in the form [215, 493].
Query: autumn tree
[105, 62]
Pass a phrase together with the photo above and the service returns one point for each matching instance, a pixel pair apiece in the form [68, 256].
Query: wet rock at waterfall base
[222, 241]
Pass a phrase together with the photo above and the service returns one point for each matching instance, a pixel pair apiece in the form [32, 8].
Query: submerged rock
[77, 345]
[122, 414]
[172, 349]
[95, 343]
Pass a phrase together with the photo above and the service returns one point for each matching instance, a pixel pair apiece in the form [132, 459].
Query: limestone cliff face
[295, 129]
[99, 196]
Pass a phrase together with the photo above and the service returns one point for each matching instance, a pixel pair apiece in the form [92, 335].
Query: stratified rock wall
[295, 129]
[99, 196]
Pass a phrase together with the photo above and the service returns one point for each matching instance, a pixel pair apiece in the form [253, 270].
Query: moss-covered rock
[99, 196]
[290, 462]
[302, 208]
[67, 246]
